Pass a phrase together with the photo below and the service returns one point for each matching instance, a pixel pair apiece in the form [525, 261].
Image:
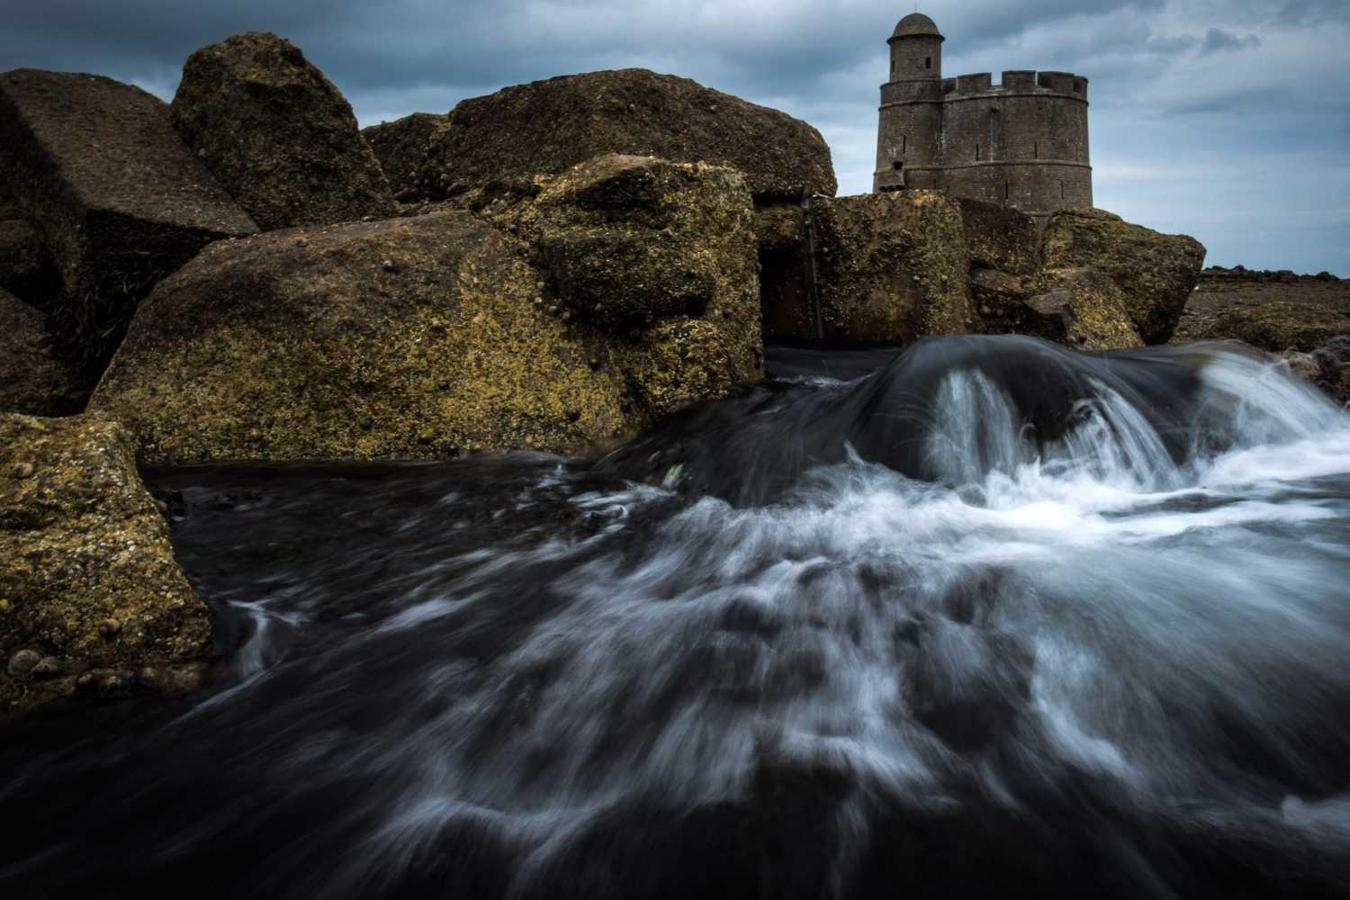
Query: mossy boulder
[626, 240]
[1154, 272]
[278, 134]
[401, 146]
[427, 335]
[547, 127]
[90, 595]
[96, 166]
[888, 267]
[33, 379]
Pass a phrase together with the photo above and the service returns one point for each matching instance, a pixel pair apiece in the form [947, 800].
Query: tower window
[928, 62]
[977, 152]
[897, 166]
[892, 67]
[1061, 190]
[1036, 150]
[1007, 190]
[904, 143]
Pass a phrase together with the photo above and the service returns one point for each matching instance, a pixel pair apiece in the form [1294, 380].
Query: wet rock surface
[119, 200]
[277, 134]
[90, 594]
[547, 127]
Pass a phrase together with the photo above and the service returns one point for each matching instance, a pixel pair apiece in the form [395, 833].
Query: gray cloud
[1217, 40]
[1229, 81]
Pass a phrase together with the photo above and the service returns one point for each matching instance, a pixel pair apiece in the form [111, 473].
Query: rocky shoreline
[244, 275]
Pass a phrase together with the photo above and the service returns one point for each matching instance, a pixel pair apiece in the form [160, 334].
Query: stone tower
[1022, 142]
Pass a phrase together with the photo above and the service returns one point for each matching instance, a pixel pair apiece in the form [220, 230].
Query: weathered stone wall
[1022, 142]
[909, 147]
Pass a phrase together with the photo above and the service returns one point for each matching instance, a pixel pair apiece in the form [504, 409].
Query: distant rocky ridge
[1303, 318]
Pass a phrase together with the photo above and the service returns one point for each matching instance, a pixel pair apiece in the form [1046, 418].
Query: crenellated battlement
[1016, 80]
[1021, 141]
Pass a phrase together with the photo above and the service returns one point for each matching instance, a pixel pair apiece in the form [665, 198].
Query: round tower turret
[916, 49]
[910, 129]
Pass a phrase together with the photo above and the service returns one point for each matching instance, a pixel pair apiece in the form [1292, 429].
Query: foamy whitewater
[989, 618]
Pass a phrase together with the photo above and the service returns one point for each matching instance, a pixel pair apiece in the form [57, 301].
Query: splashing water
[996, 618]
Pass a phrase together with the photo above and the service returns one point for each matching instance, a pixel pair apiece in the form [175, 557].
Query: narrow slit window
[1061, 190]
[904, 143]
[977, 152]
[892, 67]
[1036, 150]
[1007, 190]
[928, 62]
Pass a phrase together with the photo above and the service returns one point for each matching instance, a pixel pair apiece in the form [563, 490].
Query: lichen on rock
[889, 267]
[424, 336]
[90, 594]
[1154, 272]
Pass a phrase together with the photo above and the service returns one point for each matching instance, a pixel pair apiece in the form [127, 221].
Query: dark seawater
[988, 618]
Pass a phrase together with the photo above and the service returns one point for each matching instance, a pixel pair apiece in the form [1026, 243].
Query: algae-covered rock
[547, 127]
[120, 201]
[90, 594]
[1083, 308]
[277, 134]
[1275, 325]
[401, 146]
[889, 267]
[1154, 272]
[629, 240]
[33, 379]
[417, 337]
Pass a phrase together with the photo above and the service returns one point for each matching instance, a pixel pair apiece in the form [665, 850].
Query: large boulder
[549, 126]
[120, 201]
[887, 267]
[401, 146]
[277, 134]
[1154, 272]
[421, 336]
[90, 595]
[33, 379]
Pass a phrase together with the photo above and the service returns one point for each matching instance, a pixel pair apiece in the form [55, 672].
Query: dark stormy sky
[1225, 119]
